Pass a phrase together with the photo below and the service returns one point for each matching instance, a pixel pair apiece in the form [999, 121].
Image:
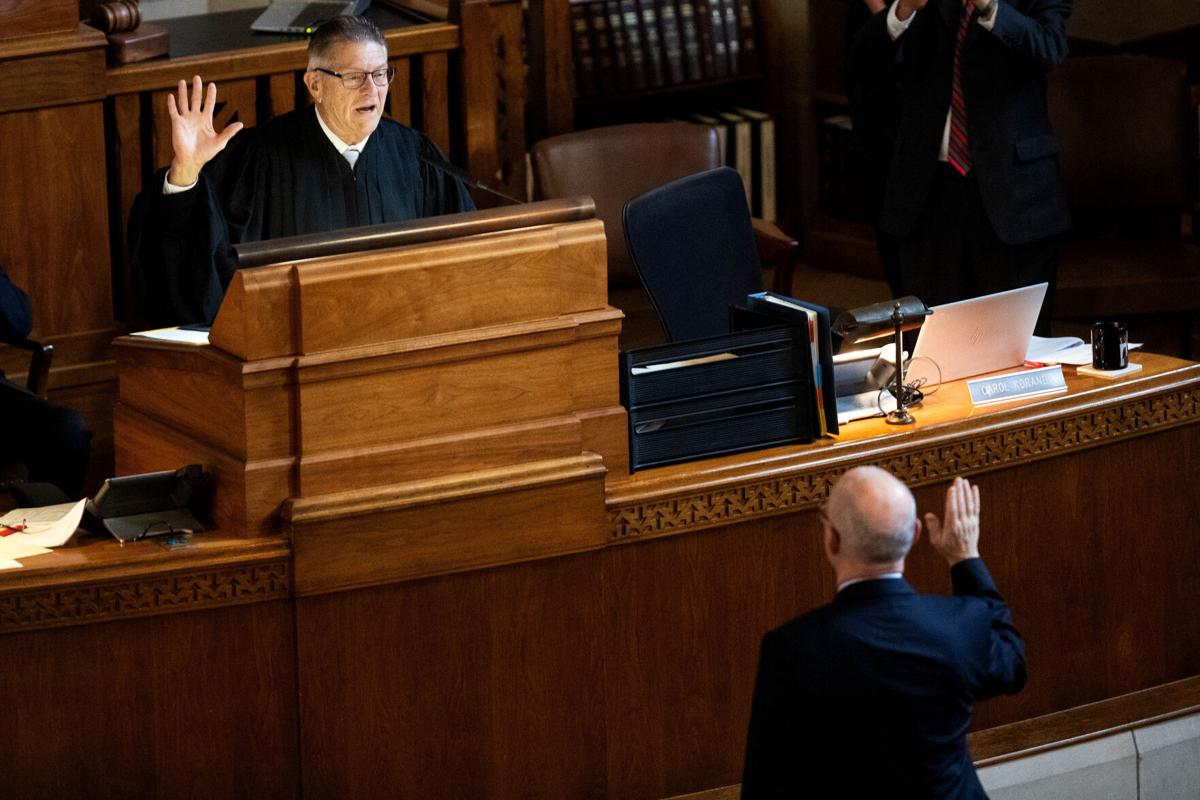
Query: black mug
[1110, 345]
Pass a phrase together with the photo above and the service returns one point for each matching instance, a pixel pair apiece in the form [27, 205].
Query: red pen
[5, 530]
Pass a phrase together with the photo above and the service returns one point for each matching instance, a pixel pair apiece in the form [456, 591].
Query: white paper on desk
[9, 564]
[46, 526]
[179, 335]
[12, 548]
[689, 362]
[1043, 348]
[1063, 350]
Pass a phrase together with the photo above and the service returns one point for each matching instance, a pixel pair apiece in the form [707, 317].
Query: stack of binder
[769, 383]
[710, 397]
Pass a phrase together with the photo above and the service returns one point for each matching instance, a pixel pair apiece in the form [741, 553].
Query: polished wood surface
[317, 397]
[25, 18]
[483, 684]
[185, 705]
[495, 94]
[70, 69]
[514, 635]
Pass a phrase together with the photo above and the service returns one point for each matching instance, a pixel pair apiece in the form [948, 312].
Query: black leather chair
[37, 379]
[692, 244]
[616, 163]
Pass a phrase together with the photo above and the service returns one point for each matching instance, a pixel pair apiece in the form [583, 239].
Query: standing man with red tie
[973, 191]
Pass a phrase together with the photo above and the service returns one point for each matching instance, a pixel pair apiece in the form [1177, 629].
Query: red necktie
[959, 153]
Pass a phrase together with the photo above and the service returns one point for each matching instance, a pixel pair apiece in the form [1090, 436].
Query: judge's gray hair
[874, 513]
[340, 29]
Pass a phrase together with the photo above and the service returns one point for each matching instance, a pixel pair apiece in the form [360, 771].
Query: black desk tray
[710, 397]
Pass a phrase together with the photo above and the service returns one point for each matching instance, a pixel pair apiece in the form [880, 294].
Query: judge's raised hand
[193, 139]
[956, 536]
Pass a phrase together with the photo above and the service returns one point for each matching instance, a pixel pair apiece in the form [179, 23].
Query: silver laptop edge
[975, 336]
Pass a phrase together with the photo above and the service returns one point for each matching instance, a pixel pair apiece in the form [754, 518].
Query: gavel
[117, 17]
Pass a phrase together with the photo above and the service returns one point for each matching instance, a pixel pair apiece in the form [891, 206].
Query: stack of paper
[37, 530]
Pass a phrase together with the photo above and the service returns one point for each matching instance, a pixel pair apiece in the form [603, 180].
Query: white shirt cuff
[989, 22]
[170, 188]
[894, 24]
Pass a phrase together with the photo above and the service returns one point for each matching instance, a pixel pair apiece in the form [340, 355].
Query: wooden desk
[624, 670]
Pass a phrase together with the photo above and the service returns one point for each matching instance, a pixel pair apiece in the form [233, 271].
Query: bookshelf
[605, 62]
[799, 45]
[621, 47]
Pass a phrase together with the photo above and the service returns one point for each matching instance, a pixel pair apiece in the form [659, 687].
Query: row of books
[748, 140]
[633, 45]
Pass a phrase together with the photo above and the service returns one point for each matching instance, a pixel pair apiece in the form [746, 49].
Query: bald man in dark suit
[871, 695]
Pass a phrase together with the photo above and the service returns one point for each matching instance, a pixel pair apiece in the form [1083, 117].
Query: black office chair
[38, 379]
[692, 244]
[43, 442]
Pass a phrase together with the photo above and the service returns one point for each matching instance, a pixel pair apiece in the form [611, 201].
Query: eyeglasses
[355, 80]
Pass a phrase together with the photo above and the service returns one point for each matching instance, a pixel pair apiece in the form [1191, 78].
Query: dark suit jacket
[15, 319]
[1012, 145]
[870, 696]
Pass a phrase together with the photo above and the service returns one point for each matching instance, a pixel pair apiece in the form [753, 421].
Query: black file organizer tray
[760, 398]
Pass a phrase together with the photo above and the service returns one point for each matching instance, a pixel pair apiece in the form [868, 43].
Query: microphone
[436, 161]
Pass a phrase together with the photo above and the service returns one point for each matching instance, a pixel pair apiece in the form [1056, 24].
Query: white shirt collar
[341, 146]
[886, 575]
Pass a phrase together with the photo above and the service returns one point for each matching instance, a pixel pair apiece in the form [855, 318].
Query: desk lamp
[875, 321]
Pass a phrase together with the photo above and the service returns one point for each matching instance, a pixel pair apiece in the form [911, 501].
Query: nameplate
[1017, 385]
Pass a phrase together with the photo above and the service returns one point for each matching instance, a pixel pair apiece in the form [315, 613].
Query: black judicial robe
[282, 178]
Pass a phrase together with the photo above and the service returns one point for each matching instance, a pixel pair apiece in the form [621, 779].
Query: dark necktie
[959, 153]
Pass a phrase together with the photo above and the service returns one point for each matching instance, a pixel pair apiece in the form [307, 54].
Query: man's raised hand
[956, 536]
[193, 139]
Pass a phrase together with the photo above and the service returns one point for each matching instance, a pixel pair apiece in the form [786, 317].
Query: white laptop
[299, 17]
[971, 337]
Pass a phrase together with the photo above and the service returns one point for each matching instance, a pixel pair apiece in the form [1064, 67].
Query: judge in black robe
[284, 178]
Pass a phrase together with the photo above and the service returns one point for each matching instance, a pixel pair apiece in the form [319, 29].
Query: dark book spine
[729, 9]
[652, 42]
[620, 48]
[585, 62]
[674, 71]
[689, 31]
[607, 81]
[635, 54]
[704, 29]
[748, 50]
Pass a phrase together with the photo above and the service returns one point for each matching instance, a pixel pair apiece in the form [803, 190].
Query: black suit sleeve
[15, 318]
[775, 743]
[1039, 34]
[999, 662]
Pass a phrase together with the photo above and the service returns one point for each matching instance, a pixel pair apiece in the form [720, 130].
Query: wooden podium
[369, 402]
